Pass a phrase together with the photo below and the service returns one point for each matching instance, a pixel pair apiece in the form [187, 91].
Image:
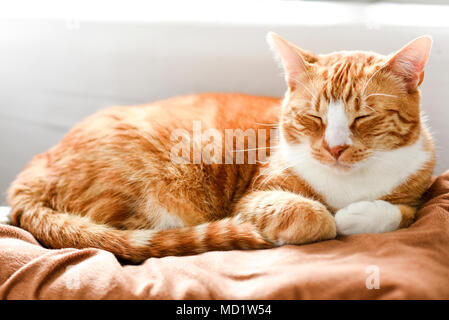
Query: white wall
[55, 71]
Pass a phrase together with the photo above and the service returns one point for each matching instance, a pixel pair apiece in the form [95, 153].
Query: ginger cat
[352, 144]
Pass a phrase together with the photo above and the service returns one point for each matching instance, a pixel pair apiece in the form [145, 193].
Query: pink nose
[336, 151]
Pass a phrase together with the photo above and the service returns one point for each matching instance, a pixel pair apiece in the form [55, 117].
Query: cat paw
[368, 217]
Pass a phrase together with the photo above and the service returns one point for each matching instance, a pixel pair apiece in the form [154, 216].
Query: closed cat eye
[315, 117]
[362, 117]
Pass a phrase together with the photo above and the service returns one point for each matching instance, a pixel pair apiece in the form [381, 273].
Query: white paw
[368, 217]
[4, 215]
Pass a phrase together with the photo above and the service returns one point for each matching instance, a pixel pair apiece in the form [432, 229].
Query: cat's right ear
[291, 57]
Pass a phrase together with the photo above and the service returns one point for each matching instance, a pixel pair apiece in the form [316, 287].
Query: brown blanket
[409, 263]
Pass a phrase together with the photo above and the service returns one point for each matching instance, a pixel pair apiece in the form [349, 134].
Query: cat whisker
[268, 124]
[381, 94]
[242, 150]
[369, 80]
[368, 107]
[305, 87]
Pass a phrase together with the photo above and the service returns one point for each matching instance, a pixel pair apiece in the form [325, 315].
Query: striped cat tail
[63, 230]
[225, 234]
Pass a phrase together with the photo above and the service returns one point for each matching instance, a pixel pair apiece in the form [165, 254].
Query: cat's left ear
[294, 60]
[408, 63]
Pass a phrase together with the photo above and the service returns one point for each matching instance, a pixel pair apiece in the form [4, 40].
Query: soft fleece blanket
[410, 263]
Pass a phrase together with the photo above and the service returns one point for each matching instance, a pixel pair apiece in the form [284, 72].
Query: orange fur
[110, 182]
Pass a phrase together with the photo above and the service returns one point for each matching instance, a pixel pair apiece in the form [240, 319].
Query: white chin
[341, 167]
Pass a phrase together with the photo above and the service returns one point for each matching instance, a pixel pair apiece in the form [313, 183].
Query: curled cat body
[352, 155]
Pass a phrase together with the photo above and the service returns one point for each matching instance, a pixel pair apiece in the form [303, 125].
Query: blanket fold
[410, 263]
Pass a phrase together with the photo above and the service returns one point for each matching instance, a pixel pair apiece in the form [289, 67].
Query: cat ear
[408, 63]
[293, 59]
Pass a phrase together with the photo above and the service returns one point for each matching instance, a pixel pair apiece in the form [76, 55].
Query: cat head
[344, 107]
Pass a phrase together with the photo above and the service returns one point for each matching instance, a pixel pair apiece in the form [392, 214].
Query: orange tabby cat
[351, 143]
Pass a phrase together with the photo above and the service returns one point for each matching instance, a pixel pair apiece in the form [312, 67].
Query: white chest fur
[378, 176]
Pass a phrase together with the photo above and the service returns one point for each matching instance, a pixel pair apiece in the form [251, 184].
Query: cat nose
[336, 151]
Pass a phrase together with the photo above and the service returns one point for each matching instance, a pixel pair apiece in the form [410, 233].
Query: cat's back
[123, 127]
[217, 110]
[123, 153]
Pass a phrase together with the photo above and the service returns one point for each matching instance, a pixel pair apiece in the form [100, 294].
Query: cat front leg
[373, 217]
[286, 218]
